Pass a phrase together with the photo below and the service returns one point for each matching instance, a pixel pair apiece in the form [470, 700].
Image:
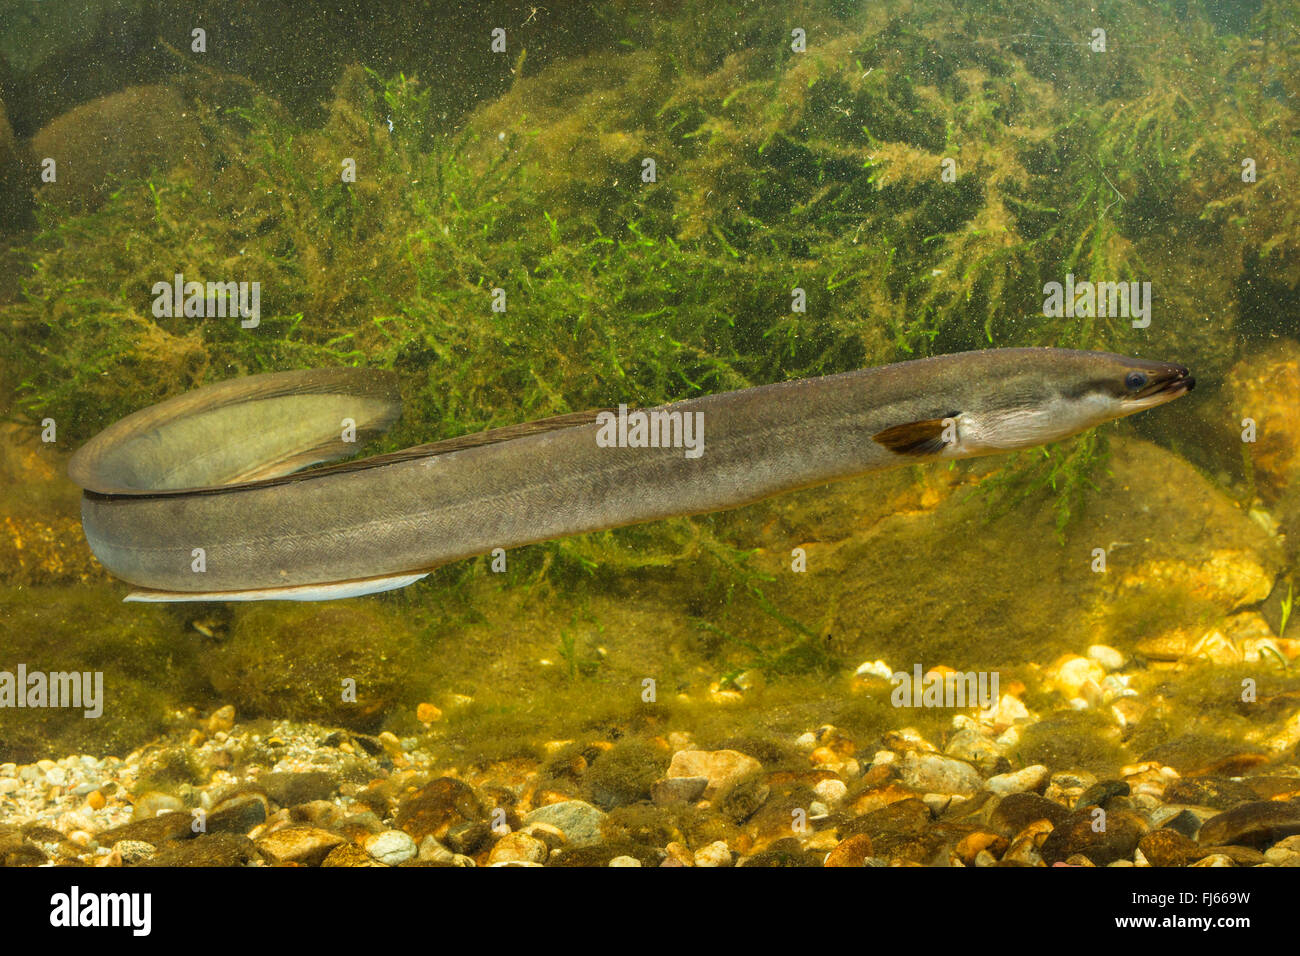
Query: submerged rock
[1168, 847]
[1172, 539]
[307, 846]
[935, 774]
[578, 820]
[1263, 388]
[103, 144]
[1078, 834]
[721, 768]
[1260, 823]
[437, 807]
[1221, 793]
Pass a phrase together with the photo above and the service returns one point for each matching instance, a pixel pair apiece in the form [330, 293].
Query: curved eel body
[202, 497]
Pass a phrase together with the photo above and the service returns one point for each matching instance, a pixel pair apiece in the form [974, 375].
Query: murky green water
[525, 211]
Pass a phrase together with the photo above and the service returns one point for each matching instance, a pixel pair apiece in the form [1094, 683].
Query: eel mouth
[1167, 382]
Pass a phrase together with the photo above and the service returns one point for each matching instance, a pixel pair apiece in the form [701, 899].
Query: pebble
[1240, 855]
[1016, 811]
[1169, 848]
[1262, 822]
[238, 814]
[222, 719]
[1018, 781]
[875, 669]
[1025, 847]
[970, 846]
[154, 804]
[431, 851]
[56, 777]
[937, 802]
[721, 768]
[1076, 834]
[971, 744]
[1181, 819]
[391, 847]
[305, 845]
[578, 820]
[133, 851]
[933, 773]
[1107, 656]
[349, 855]
[1284, 853]
[850, 852]
[831, 791]
[1101, 793]
[1071, 674]
[518, 847]
[1008, 712]
[1221, 793]
[715, 854]
[437, 806]
[625, 861]
[678, 790]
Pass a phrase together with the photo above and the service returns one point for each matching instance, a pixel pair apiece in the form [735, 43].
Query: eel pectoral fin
[924, 437]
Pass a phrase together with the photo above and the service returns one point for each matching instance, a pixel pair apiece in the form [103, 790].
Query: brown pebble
[969, 846]
[223, 718]
[1260, 823]
[1169, 848]
[95, 800]
[851, 852]
[307, 846]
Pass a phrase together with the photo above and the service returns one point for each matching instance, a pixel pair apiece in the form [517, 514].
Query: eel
[208, 496]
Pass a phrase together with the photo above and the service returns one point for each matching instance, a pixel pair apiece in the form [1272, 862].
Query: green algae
[1081, 739]
[623, 774]
[341, 665]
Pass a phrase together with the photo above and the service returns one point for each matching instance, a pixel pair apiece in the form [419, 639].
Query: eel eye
[1135, 380]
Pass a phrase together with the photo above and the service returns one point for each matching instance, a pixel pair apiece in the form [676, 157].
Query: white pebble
[1107, 656]
[715, 854]
[831, 792]
[391, 847]
[874, 669]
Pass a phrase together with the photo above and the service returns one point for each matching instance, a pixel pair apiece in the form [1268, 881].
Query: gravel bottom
[217, 792]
